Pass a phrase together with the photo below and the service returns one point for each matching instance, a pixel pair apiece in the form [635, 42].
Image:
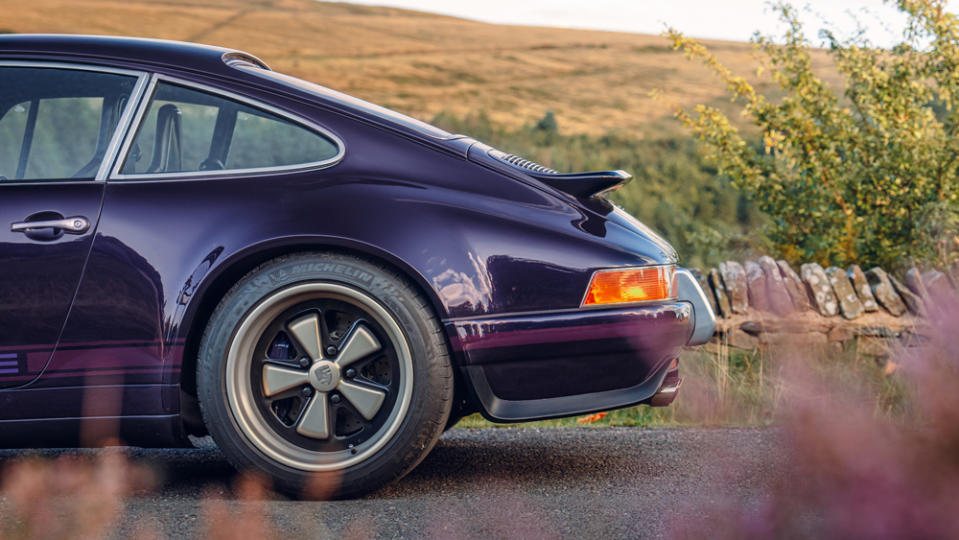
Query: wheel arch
[225, 275]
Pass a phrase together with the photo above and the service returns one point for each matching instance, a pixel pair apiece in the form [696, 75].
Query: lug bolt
[335, 398]
[307, 392]
[331, 350]
[304, 362]
[350, 373]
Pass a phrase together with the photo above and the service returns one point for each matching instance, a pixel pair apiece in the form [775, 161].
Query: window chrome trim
[124, 122]
[257, 171]
[134, 127]
[72, 66]
[123, 127]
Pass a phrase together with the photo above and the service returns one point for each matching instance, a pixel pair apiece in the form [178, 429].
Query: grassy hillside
[422, 64]
[494, 82]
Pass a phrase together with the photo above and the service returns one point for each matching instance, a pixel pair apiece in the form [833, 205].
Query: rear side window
[191, 131]
[57, 124]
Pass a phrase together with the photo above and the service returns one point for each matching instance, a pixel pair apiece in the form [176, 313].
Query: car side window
[57, 124]
[185, 130]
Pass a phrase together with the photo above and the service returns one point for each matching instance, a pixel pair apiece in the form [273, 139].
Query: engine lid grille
[523, 163]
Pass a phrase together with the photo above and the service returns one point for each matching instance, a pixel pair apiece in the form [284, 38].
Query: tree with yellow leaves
[866, 173]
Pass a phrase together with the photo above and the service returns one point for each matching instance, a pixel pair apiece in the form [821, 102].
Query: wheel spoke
[315, 421]
[306, 332]
[366, 400]
[284, 395]
[360, 344]
[278, 379]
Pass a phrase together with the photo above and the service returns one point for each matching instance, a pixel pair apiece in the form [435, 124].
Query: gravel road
[500, 483]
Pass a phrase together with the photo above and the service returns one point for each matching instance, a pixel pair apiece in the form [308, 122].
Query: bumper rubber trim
[704, 320]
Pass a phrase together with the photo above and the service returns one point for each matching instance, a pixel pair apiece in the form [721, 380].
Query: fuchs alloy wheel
[326, 372]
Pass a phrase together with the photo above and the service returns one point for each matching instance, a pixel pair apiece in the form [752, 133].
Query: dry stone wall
[764, 302]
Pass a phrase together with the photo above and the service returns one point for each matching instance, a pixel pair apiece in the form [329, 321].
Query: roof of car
[157, 52]
[142, 53]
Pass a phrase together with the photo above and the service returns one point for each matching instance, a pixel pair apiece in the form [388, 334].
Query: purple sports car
[194, 244]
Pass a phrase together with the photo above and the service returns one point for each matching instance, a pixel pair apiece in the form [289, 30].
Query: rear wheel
[326, 372]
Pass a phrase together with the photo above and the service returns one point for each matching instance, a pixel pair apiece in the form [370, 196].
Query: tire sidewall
[431, 392]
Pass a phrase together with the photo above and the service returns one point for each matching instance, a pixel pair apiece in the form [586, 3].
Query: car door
[164, 224]
[58, 127]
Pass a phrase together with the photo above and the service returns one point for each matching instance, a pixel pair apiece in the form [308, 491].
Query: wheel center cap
[324, 376]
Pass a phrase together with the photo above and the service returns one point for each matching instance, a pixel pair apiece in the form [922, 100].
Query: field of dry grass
[422, 64]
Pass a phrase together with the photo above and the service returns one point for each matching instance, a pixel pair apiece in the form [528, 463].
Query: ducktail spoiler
[585, 185]
[580, 185]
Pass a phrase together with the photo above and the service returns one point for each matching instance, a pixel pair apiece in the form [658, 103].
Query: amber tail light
[620, 286]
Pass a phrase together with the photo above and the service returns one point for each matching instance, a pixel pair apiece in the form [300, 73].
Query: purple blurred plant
[68, 497]
[848, 467]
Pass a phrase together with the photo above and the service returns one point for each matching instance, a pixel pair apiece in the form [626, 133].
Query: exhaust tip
[668, 391]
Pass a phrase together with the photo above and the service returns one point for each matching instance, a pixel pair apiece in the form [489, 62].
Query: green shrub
[858, 174]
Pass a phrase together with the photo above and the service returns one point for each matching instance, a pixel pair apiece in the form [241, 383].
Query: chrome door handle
[70, 225]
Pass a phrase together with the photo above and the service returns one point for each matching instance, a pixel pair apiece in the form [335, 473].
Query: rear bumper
[549, 365]
[546, 365]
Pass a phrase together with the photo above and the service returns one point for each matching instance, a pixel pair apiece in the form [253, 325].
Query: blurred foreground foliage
[676, 190]
[861, 174]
